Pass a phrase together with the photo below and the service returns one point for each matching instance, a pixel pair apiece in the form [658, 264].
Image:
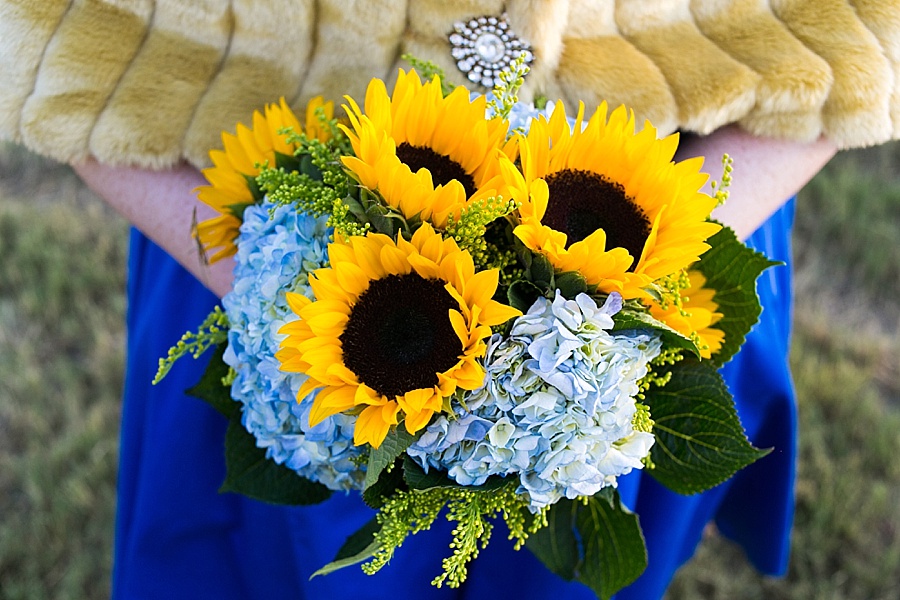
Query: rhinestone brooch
[484, 47]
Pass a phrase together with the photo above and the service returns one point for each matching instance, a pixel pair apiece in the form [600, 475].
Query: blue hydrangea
[556, 407]
[275, 254]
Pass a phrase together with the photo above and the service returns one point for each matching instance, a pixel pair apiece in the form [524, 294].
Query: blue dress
[177, 537]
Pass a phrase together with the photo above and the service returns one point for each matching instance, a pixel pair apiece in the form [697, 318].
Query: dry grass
[61, 362]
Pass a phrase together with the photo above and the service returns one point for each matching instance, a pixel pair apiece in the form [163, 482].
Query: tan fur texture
[25, 29]
[598, 64]
[604, 69]
[794, 81]
[710, 87]
[175, 64]
[356, 40]
[542, 23]
[883, 20]
[857, 109]
[267, 58]
[82, 64]
[150, 82]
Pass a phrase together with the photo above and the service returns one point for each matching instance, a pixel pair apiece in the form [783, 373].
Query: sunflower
[229, 191]
[396, 329]
[418, 139]
[696, 316]
[609, 202]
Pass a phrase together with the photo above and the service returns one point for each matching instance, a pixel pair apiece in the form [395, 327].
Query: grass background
[62, 266]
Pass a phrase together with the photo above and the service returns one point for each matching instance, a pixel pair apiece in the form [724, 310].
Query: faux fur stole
[151, 82]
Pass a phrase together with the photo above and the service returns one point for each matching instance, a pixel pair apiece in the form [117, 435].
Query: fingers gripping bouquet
[463, 304]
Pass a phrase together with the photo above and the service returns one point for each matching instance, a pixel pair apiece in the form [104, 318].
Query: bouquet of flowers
[460, 303]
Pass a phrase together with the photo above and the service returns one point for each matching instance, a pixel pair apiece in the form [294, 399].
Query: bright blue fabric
[176, 537]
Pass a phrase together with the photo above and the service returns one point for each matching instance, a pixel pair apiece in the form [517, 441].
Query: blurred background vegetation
[62, 277]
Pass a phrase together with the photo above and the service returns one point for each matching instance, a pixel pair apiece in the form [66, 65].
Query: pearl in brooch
[484, 47]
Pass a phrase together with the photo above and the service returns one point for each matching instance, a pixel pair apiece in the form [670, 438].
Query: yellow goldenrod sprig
[641, 420]
[669, 290]
[229, 377]
[283, 186]
[720, 189]
[506, 93]
[409, 512]
[344, 222]
[212, 332]
[471, 510]
[404, 513]
[666, 357]
[472, 529]
[469, 230]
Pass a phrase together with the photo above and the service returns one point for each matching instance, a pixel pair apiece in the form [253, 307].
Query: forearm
[162, 205]
[766, 172]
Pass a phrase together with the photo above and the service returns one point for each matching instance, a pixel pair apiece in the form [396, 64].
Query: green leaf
[395, 443]
[356, 209]
[306, 167]
[210, 388]
[250, 473]
[288, 162]
[358, 547]
[613, 546]
[238, 210]
[255, 191]
[556, 545]
[627, 319]
[541, 270]
[383, 220]
[599, 543]
[390, 480]
[731, 269]
[699, 439]
[522, 294]
[570, 284]
[417, 479]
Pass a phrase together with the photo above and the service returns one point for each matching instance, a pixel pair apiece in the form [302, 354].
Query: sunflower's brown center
[399, 335]
[443, 169]
[581, 202]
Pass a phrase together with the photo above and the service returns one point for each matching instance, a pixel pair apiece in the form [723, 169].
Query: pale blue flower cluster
[556, 407]
[276, 252]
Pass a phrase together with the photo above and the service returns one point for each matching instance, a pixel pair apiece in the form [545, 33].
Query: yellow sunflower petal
[373, 424]
[331, 401]
[394, 260]
[352, 278]
[367, 396]
[415, 400]
[470, 375]
[296, 301]
[415, 421]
